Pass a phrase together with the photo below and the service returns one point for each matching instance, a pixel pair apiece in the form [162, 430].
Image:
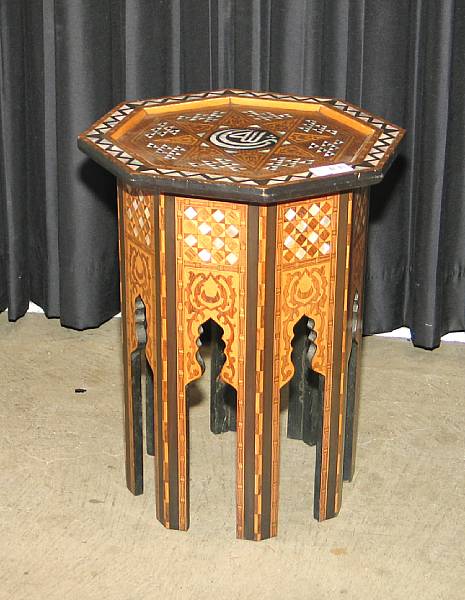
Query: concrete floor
[69, 529]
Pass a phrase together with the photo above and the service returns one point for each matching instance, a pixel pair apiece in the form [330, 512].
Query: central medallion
[243, 139]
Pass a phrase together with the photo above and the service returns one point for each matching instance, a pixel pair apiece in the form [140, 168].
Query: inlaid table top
[248, 146]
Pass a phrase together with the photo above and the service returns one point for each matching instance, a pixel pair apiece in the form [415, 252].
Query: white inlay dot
[290, 214]
[190, 212]
[205, 255]
[190, 240]
[218, 243]
[302, 226]
[313, 237]
[232, 231]
[314, 209]
[325, 221]
[325, 248]
[289, 242]
[231, 258]
[205, 228]
[218, 216]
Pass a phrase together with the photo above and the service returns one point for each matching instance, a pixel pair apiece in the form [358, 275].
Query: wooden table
[246, 214]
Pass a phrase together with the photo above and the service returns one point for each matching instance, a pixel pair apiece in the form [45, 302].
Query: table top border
[369, 170]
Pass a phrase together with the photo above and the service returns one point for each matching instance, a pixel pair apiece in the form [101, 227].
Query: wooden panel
[137, 240]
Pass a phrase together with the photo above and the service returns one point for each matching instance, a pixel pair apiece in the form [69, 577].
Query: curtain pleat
[63, 64]
[14, 221]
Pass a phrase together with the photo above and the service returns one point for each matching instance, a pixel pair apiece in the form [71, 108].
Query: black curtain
[64, 63]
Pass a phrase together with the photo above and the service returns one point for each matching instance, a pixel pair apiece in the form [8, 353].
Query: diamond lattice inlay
[138, 218]
[211, 235]
[166, 151]
[208, 117]
[307, 231]
[218, 163]
[277, 162]
[267, 116]
[312, 126]
[161, 130]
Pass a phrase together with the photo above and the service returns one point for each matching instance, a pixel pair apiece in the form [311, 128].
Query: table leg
[355, 325]
[330, 440]
[132, 321]
[258, 399]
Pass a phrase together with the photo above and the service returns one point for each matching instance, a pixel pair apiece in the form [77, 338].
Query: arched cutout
[136, 418]
[223, 396]
[140, 369]
[306, 388]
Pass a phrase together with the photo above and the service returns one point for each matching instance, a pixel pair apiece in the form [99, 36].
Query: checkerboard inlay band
[138, 214]
[211, 235]
[307, 231]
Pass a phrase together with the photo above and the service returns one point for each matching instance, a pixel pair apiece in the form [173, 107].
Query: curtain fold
[63, 64]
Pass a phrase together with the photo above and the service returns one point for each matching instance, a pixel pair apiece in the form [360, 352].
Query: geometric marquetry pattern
[166, 151]
[360, 216]
[326, 148]
[307, 231]
[310, 125]
[208, 117]
[211, 235]
[376, 155]
[138, 217]
[267, 116]
[161, 130]
[277, 162]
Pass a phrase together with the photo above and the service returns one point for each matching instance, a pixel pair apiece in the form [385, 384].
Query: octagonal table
[246, 212]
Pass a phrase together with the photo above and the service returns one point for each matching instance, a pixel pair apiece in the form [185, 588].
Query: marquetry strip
[241, 386]
[164, 387]
[249, 467]
[270, 401]
[277, 350]
[182, 418]
[173, 390]
[259, 384]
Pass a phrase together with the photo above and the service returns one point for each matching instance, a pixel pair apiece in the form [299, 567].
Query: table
[245, 214]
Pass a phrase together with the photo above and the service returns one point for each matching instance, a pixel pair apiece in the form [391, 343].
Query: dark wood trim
[357, 284]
